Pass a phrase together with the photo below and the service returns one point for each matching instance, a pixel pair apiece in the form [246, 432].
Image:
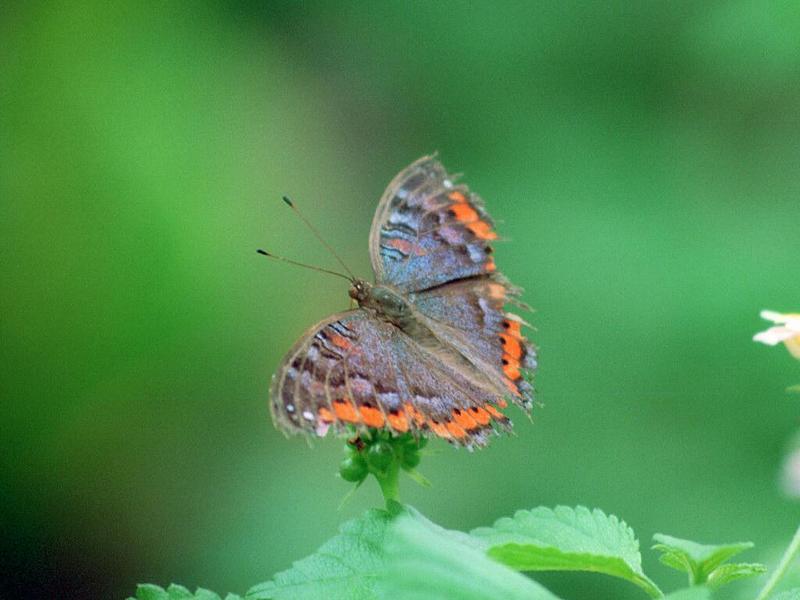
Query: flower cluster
[381, 454]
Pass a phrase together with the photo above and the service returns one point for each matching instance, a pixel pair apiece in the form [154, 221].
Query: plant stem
[390, 483]
[779, 571]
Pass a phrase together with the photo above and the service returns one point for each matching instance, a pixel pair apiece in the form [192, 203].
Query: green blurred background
[642, 157]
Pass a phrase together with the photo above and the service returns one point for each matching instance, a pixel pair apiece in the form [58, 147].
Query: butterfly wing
[354, 369]
[470, 314]
[431, 239]
[427, 230]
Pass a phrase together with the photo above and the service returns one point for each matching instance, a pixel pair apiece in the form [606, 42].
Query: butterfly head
[360, 291]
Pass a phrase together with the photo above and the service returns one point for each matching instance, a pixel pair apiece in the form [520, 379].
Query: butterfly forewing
[428, 230]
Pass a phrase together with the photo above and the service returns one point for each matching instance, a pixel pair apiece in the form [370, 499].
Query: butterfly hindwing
[427, 230]
[355, 370]
[470, 314]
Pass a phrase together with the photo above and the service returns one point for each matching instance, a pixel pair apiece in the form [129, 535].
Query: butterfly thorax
[387, 303]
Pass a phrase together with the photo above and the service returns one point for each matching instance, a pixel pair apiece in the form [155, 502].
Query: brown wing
[353, 369]
[427, 230]
[470, 315]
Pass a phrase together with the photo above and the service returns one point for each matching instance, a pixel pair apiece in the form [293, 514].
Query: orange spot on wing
[456, 430]
[400, 244]
[464, 419]
[513, 328]
[326, 416]
[373, 417]
[512, 387]
[496, 413]
[340, 341]
[482, 230]
[511, 345]
[457, 196]
[490, 266]
[346, 411]
[418, 417]
[464, 212]
[512, 369]
[398, 421]
[405, 246]
[497, 291]
[480, 415]
[502, 403]
[439, 429]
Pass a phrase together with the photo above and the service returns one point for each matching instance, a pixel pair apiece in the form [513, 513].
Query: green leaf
[793, 594]
[567, 539]
[728, 572]
[701, 561]
[178, 592]
[346, 567]
[692, 593]
[148, 591]
[425, 561]
[402, 554]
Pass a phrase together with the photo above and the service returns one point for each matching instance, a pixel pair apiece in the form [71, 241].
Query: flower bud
[353, 468]
[380, 456]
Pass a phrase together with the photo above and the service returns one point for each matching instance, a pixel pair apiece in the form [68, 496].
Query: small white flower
[790, 474]
[786, 330]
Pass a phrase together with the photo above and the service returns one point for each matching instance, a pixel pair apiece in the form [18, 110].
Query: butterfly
[430, 348]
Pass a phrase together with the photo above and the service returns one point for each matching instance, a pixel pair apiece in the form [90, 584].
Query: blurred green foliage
[643, 158]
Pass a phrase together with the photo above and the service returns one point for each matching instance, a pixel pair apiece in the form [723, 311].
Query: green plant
[397, 553]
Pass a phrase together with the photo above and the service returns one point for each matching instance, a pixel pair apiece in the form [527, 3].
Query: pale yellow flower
[786, 330]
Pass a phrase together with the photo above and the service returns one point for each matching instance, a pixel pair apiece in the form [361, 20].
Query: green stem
[779, 571]
[389, 483]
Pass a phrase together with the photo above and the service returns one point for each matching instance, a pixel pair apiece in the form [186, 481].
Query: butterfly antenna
[318, 235]
[305, 266]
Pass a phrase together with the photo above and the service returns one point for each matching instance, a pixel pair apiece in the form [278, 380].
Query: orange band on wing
[346, 411]
[480, 415]
[326, 416]
[496, 413]
[513, 328]
[464, 212]
[511, 345]
[482, 230]
[418, 417]
[439, 429]
[456, 430]
[457, 196]
[464, 419]
[373, 417]
[398, 420]
[511, 367]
